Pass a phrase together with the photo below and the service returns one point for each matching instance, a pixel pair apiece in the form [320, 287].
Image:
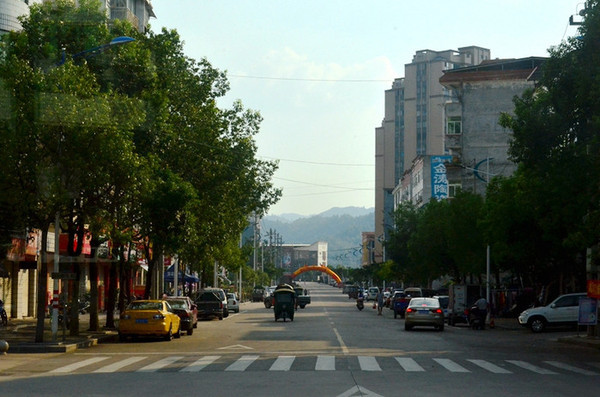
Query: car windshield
[143, 305]
[178, 304]
[424, 302]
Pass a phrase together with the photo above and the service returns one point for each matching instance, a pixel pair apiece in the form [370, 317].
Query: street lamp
[96, 50]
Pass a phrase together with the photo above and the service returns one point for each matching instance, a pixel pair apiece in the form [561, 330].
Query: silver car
[424, 311]
[233, 304]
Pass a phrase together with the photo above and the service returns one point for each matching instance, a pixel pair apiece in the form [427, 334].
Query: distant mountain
[341, 228]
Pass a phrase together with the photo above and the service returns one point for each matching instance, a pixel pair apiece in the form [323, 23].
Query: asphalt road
[330, 349]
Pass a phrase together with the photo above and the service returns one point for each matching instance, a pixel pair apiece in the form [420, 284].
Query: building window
[453, 189]
[454, 125]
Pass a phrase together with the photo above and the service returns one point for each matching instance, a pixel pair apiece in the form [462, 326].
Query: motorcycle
[360, 303]
[476, 318]
[3, 315]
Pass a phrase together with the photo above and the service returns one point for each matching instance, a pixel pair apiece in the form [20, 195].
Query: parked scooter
[360, 304]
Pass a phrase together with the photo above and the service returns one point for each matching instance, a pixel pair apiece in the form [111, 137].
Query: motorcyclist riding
[480, 309]
[360, 300]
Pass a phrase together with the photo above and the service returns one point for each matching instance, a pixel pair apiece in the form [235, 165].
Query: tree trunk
[74, 313]
[94, 321]
[42, 288]
[112, 293]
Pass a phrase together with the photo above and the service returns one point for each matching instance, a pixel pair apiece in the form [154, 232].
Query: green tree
[556, 142]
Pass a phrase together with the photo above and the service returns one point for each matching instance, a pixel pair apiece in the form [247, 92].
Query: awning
[188, 278]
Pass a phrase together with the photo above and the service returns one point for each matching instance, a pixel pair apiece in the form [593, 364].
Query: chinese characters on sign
[439, 180]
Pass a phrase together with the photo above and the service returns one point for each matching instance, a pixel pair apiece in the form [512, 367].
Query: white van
[372, 293]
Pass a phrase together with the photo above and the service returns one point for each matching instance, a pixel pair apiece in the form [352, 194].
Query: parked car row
[170, 317]
[420, 307]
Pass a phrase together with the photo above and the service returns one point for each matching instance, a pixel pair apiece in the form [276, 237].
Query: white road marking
[325, 363]
[200, 364]
[242, 363]
[368, 363]
[531, 367]
[571, 368]
[363, 392]
[409, 365]
[341, 341]
[120, 364]
[283, 363]
[77, 365]
[160, 364]
[450, 365]
[490, 367]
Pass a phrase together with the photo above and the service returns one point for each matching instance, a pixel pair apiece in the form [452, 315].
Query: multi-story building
[413, 126]
[10, 10]
[473, 137]
[475, 145]
[138, 12]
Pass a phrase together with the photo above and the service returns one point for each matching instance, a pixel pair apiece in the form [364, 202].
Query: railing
[125, 14]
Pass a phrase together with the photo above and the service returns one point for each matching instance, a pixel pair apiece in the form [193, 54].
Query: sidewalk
[20, 335]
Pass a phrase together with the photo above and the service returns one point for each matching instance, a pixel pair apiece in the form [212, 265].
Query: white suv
[562, 311]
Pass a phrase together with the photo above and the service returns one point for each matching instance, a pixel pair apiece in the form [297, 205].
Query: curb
[60, 347]
[581, 341]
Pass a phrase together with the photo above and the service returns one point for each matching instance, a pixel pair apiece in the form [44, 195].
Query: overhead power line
[313, 80]
[318, 163]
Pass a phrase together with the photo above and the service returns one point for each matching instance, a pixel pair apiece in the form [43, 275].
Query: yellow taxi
[149, 318]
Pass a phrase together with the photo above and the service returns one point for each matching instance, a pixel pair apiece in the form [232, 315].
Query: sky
[317, 71]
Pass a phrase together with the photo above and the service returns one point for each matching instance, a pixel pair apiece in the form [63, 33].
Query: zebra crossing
[180, 363]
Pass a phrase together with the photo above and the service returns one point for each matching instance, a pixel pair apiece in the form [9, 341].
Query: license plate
[141, 321]
[423, 311]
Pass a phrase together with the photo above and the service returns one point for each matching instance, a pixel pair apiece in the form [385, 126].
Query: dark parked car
[187, 312]
[258, 294]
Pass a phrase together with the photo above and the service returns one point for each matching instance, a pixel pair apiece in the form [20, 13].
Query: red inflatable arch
[323, 269]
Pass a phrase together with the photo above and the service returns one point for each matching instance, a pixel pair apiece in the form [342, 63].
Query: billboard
[439, 179]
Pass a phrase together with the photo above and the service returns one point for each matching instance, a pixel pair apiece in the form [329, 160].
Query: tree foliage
[128, 140]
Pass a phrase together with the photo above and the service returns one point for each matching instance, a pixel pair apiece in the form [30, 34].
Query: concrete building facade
[474, 138]
[413, 125]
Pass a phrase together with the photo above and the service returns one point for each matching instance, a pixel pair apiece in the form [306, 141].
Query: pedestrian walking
[380, 300]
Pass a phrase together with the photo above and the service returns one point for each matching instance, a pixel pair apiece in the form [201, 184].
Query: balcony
[124, 13]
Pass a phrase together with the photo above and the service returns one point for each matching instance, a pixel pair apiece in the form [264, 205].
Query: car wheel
[226, 313]
[537, 324]
[169, 335]
[122, 338]
[220, 317]
[177, 334]
[440, 328]
[395, 314]
[190, 331]
[407, 327]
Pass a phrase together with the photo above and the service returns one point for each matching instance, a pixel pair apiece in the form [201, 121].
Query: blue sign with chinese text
[439, 179]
